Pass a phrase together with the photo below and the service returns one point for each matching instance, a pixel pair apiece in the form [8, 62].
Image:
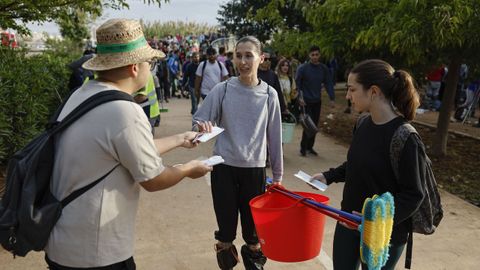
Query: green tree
[411, 34]
[73, 25]
[422, 32]
[16, 14]
[236, 17]
[261, 18]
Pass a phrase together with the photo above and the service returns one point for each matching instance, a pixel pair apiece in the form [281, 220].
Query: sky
[201, 11]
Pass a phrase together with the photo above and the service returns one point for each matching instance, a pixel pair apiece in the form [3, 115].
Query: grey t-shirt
[250, 124]
[97, 229]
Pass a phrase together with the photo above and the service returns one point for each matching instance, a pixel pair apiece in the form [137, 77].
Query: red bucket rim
[252, 201]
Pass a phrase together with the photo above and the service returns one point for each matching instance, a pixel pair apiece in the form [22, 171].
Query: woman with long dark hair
[391, 99]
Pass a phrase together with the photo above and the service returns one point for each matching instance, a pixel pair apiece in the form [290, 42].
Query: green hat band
[120, 48]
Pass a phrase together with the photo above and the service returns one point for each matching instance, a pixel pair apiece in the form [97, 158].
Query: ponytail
[404, 94]
[397, 86]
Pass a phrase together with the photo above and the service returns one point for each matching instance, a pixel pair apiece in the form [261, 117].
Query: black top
[271, 79]
[189, 75]
[368, 171]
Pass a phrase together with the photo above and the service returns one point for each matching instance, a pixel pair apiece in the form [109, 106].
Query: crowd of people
[244, 93]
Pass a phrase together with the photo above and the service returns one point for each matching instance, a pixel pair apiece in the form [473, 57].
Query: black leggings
[128, 264]
[232, 190]
[346, 250]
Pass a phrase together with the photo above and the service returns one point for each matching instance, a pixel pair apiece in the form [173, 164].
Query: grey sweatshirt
[249, 124]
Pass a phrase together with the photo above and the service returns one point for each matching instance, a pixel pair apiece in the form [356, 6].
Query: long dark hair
[396, 85]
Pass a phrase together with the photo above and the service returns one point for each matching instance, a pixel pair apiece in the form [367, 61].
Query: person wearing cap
[96, 231]
[208, 74]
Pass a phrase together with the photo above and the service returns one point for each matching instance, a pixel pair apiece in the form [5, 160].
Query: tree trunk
[439, 147]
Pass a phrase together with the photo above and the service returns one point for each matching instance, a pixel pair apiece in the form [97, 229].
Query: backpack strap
[52, 122]
[408, 253]
[399, 138]
[221, 102]
[84, 189]
[361, 119]
[203, 70]
[221, 69]
[87, 105]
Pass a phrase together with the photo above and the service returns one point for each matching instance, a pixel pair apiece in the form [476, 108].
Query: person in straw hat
[96, 231]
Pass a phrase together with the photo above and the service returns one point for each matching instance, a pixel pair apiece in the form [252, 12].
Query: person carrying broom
[391, 99]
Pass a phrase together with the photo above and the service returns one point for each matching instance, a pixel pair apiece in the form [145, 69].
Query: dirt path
[175, 227]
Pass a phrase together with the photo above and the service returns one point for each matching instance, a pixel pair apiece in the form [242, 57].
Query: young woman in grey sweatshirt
[249, 111]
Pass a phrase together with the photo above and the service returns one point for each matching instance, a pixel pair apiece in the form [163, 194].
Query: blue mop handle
[352, 217]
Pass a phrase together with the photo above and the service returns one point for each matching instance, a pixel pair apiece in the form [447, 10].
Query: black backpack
[428, 216]
[28, 210]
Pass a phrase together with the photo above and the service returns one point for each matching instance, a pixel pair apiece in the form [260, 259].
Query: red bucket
[288, 230]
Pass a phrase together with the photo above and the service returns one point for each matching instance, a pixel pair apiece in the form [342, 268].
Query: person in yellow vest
[146, 97]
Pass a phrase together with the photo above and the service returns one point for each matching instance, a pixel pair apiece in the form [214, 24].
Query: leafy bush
[31, 88]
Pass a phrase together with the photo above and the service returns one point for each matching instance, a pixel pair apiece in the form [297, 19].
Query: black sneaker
[303, 153]
[227, 257]
[253, 260]
[313, 152]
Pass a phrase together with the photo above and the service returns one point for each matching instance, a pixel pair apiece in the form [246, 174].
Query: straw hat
[120, 42]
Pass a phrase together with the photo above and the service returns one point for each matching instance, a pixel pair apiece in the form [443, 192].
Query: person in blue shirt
[310, 79]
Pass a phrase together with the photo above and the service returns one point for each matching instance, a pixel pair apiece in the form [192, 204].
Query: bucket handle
[315, 205]
[293, 117]
[305, 201]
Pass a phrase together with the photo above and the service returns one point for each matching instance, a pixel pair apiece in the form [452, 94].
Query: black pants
[128, 264]
[312, 109]
[165, 84]
[346, 251]
[232, 190]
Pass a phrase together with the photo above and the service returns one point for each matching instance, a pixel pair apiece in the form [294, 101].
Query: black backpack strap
[84, 189]
[203, 70]
[408, 253]
[221, 102]
[221, 69]
[89, 104]
[361, 119]
[53, 120]
[399, 138]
